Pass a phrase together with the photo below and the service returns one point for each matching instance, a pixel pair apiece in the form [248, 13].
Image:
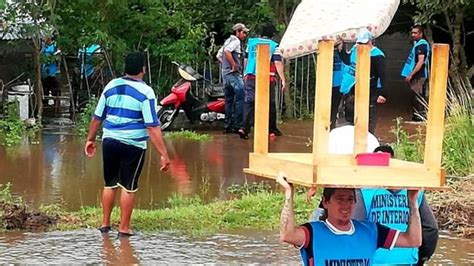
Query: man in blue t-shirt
[339, 240]
[127, 107]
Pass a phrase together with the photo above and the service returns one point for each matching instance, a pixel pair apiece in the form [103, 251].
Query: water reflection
[239, 247]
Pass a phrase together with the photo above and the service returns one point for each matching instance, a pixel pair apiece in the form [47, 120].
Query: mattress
[316, 20]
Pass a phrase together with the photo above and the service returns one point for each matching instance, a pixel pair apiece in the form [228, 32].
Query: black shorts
[122, 164]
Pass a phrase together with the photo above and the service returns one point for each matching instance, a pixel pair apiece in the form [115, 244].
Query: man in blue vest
[276, 66]
[415, 71]
[336, 96]
[377, 78]
[232, 76]
[338, 239]
[390, 208]
[49, 69]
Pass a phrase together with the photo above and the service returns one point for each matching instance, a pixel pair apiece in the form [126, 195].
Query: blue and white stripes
[127, 108]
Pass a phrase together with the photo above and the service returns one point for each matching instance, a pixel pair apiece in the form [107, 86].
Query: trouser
[249, 106]
[335, 101]
[234, 99]
[349, 110]
[419, 100]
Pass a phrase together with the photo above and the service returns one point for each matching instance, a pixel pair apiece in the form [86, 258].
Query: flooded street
[247, 247]
[53, 169]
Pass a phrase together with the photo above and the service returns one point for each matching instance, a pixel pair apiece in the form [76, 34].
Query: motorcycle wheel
[166, 116]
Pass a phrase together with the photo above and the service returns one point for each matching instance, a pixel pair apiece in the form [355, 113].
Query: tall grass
[84, 119]
[458, 141]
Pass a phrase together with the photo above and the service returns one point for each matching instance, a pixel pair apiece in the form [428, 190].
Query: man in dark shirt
[415, 71]
[377, 78]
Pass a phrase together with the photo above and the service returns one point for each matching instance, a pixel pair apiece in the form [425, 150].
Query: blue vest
[348, 77]
[331, 249]
[49, 69]
[250, 68]
[392, 210]
[337, 69]
[410, 63]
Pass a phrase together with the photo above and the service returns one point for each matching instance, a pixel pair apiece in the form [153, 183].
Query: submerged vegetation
[12, 129]
[187, 134]
[84, 119]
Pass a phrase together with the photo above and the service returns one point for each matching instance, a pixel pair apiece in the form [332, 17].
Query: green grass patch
[12, 129]
[187, 134]
[193, 217]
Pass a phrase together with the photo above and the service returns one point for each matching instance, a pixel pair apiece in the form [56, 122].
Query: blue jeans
[234, 101]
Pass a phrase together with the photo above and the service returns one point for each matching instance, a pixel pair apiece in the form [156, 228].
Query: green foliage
[247, 189]
[407, 147]
[12, 129]
[188, 134]
[458, 142]
[5, 193]
[260, 210]
[82, 125]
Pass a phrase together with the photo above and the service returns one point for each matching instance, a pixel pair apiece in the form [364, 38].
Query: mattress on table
[316, 20]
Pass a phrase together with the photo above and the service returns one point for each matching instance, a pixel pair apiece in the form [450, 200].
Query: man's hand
[413, 197]
[234, 68]
[283, 86]
[281, 179]
[90, 148]
[381, 99]
[408, 79]
[165, 163]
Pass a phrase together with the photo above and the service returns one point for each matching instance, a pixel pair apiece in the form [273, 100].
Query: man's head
[417, 33]
[364, 37]
[240, 30]
[135, 64]
[268, 30]
[339, 204]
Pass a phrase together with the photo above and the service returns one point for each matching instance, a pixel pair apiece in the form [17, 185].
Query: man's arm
[230, 59]
[417, 68]
[429, 231]
[379, 72]
[288, 232]
[279, 65]
[359, 211]
[412, 237]
[156, 139]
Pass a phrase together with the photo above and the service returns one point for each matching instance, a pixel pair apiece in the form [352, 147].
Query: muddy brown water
[53, 169]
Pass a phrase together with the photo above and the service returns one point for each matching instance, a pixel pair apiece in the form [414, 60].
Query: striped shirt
[127, 107]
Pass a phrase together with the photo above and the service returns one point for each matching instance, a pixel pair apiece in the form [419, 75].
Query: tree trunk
[38, 88]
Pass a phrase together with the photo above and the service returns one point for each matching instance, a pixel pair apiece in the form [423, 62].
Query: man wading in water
[127, 107]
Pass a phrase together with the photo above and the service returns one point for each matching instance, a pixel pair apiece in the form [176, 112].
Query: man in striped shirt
[127, 110]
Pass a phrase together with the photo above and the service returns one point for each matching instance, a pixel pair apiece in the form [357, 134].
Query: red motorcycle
[181, 97]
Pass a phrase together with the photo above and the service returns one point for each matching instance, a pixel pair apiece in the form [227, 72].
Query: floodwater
[244, 247]
[53, 169]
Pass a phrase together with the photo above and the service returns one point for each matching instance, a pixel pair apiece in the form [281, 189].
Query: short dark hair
[385, 148]
[268, 30]
[134, 63]
[420, 28]
[328, 192]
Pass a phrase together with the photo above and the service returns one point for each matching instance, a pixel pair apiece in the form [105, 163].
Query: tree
[32, 19]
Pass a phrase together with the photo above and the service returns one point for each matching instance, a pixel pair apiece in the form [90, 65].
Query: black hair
[268, 30]
[134, 63]
[327, 194]
[420, 28]
[385, 148]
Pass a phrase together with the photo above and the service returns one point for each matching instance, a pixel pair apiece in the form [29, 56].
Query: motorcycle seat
[215, 91]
